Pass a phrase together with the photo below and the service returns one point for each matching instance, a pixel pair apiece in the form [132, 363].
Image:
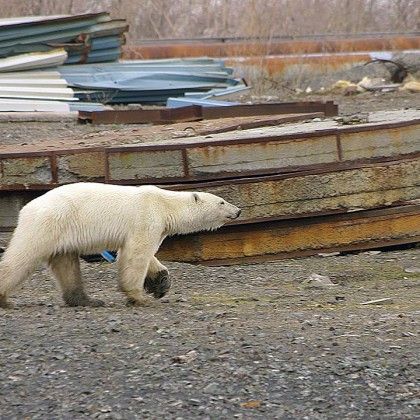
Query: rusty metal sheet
[196, 112]
[291, 238]
[26, 170]
[328, 108]
[133, 165]
[141, 116]
[246, 123]
[262, 151]
[10, 206]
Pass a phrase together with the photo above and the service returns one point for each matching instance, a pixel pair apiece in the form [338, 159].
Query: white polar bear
[86, 218]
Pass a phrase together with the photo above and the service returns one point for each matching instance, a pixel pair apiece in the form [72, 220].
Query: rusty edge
[54, 167]
[339, 147]
[185, 163]
[308, 253]
[106, 168]
[223, 178]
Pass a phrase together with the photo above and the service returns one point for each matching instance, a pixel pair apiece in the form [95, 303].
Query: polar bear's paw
[4, 303]
[158, 285]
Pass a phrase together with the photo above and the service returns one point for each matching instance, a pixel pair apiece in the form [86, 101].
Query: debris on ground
[185, 358]
[383, 301]
[316, 280]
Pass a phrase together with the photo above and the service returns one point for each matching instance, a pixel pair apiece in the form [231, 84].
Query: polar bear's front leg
[157, 281]
[133, 263]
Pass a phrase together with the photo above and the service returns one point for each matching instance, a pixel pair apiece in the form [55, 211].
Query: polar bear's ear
[196, 197]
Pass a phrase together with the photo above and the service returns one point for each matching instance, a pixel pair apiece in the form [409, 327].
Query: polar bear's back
[85, 215]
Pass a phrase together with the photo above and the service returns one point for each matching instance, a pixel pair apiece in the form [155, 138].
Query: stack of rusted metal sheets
[304, 187]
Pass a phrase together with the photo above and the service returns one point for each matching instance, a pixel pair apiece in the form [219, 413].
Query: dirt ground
[227, 342]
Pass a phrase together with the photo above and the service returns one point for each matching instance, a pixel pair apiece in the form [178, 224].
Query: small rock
[185, 358]
[371, 252]
[316, 280]
[251, 404]
[328, 254]
[211, 388]
[412, 270]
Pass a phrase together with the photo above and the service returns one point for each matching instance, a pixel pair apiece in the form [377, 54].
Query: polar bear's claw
[158, 285]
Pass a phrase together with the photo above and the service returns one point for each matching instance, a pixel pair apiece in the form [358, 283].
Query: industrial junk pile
[306, 184]
[70, 63]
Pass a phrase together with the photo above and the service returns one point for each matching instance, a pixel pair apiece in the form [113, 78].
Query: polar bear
[86, 218]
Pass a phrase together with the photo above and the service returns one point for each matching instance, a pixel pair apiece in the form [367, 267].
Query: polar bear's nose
[238, 213]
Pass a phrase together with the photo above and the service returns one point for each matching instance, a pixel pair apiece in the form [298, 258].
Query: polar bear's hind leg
[66, 270]
[15, 268]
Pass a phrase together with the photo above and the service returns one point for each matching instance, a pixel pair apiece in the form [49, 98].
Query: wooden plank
[257, 157]
[380, 142]
[262, 151]
[81, 167]
[137, 165]
[26, 171]
[291, 238]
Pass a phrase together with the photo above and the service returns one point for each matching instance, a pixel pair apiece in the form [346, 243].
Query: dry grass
[258, 19]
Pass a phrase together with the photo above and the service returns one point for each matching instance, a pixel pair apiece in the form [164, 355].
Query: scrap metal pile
[68, 63]
[304, 187]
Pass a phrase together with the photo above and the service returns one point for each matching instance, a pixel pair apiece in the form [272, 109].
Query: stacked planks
[304, 188]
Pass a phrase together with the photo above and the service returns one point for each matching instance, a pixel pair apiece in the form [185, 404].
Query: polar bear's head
[203, 211]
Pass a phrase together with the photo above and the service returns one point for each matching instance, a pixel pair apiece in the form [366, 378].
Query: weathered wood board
[292, 238]
[296, 195]
[262, 151]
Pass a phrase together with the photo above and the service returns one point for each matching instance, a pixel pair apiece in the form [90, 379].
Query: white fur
[88, 218]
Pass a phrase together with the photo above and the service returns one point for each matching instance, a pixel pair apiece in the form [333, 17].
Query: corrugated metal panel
[87, 38]
[148, 81]
[19, 105]
[33, 60]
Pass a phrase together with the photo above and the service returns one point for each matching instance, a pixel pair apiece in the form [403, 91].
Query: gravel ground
[250, 341]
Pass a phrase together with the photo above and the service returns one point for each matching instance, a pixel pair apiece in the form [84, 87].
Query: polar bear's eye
[222, 202]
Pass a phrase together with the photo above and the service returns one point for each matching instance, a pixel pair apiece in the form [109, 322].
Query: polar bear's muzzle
[235, 214]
